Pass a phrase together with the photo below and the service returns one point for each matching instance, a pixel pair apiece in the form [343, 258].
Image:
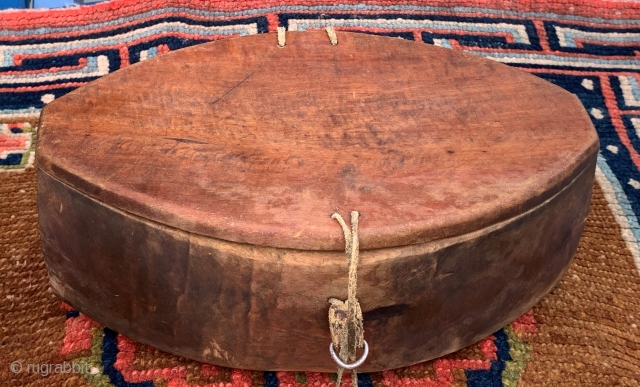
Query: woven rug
[585, 333]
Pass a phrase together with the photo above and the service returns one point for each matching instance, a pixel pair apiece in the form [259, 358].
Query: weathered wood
[185, 201]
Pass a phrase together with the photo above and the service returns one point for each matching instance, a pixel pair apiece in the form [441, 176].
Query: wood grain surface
[186, 201]
[244, 141]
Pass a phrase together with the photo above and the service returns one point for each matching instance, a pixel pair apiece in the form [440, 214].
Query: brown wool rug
[584, 333]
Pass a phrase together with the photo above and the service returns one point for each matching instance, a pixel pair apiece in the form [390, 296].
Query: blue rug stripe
[364, 380]
[493, 376]
[109, 354]
[271, 380]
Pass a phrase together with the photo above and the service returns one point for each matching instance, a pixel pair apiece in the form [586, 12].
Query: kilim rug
[585, 333]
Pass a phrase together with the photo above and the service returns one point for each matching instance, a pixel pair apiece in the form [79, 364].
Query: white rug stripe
[627, 221]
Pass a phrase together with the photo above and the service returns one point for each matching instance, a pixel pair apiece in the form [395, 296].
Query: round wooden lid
[245, 141]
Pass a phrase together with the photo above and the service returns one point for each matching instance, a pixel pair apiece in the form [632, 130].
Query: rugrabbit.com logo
[45, 369]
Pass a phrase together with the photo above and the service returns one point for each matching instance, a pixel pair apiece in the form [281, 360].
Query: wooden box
[185, 201]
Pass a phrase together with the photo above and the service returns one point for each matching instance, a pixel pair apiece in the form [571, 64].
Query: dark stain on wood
[185, 140]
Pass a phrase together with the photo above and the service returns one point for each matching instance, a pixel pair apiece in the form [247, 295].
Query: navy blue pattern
[620, 162]
[467, 39]
[593, 48]
[109, 354]
[493, 376]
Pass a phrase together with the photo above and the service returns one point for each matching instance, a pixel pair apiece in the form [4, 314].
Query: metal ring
[351, 366]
